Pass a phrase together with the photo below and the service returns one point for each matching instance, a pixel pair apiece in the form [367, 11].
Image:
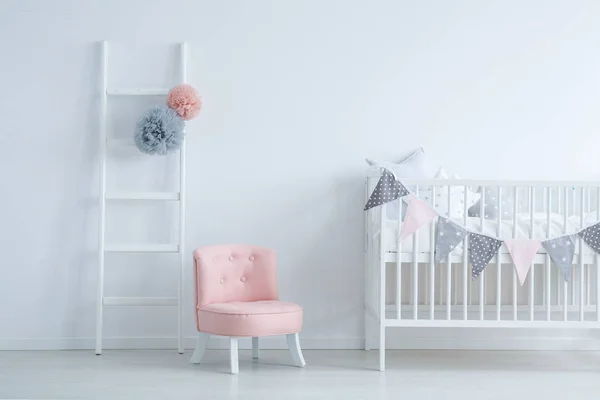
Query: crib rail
[405, 287]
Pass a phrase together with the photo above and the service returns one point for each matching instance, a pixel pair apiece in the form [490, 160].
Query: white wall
[296, 95]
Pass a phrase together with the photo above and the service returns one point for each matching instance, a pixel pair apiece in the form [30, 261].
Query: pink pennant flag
[418, 213]
[522, 252]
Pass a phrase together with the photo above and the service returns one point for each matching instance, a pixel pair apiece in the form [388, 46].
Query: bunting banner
[591, 235]
[418, 213]
[481, 247]
[561, 250]
[481, 250]
[448, 236]
[523, 252]
[388, 189]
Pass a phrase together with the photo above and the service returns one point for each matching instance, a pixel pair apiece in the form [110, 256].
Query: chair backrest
[228, 273]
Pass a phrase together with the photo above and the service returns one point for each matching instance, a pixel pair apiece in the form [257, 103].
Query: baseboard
[493, 341]
[158, 343]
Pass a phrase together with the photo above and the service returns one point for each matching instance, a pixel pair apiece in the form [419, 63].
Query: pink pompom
[185, 101]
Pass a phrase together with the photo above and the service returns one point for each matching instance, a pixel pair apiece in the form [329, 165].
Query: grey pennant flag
[448, 236]
[561, 250]
[591, 235]
[387, 189]
[481, 250]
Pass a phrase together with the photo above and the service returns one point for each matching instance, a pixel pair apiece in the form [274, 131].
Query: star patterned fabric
[388, 189]
[481, 250]
[491, 205]
[561, 250]
[591, 236]
[448, 236]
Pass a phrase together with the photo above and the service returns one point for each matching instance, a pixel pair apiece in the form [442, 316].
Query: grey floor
[440, 375]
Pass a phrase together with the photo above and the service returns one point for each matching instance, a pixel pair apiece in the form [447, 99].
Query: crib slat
[548, 298]
[588, 278]
[441, 270]
[559, 281]
[588, 267]
[532, 272]
[432, 262]
[465, 258]
[483, 274]
[514, 283]
[573, 270]
[565, 284]
[449, 274]
[381, 308]
[544, 202]
[399, 264]
[581, 274]
[558, 289]
[415, 289]
[455, 276]
[597, 260]
[441, 284]
[498, 263]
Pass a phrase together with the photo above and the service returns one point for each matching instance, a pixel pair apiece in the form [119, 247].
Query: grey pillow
[490, 207]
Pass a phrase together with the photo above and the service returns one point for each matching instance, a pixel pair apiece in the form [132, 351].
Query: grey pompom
[159, 131]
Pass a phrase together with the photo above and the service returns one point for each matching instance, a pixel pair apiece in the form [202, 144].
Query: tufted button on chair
[236, 296]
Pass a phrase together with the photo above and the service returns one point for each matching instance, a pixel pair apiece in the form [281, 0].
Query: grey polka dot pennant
[561, 250]
[448, 235]
[591, 236]
[481, 250]
[388, 189]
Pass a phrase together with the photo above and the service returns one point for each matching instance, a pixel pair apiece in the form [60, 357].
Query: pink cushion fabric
[236, 293]
[255, 318]
[234, 273]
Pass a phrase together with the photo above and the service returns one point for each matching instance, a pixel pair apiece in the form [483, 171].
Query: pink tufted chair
[236, 296]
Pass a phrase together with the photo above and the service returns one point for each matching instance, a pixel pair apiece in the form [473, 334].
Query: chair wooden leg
[201, 344]
[233, 355]
[293, 343]
[255, 348]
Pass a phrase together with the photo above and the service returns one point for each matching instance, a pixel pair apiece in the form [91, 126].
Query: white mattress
[490, 228]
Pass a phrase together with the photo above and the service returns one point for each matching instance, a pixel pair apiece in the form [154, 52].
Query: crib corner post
[382, 315]
[381, 304]
[368, 268]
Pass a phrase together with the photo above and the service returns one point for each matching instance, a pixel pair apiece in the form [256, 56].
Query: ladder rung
[172, 196]
[118, 142]
[142, 248]
[137, 92]
[139, 301]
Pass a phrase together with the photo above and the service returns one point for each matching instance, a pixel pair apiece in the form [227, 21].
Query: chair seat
[253, 318]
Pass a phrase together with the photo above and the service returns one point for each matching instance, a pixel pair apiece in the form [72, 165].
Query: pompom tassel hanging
[185, 101]
[159, 131]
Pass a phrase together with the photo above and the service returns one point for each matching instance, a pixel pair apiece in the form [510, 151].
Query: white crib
[405, 288]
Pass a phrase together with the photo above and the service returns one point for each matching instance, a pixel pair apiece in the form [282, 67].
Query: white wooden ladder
[103, 247]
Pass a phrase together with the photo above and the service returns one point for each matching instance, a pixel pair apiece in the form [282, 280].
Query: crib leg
[381, 347]
[367, 331]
